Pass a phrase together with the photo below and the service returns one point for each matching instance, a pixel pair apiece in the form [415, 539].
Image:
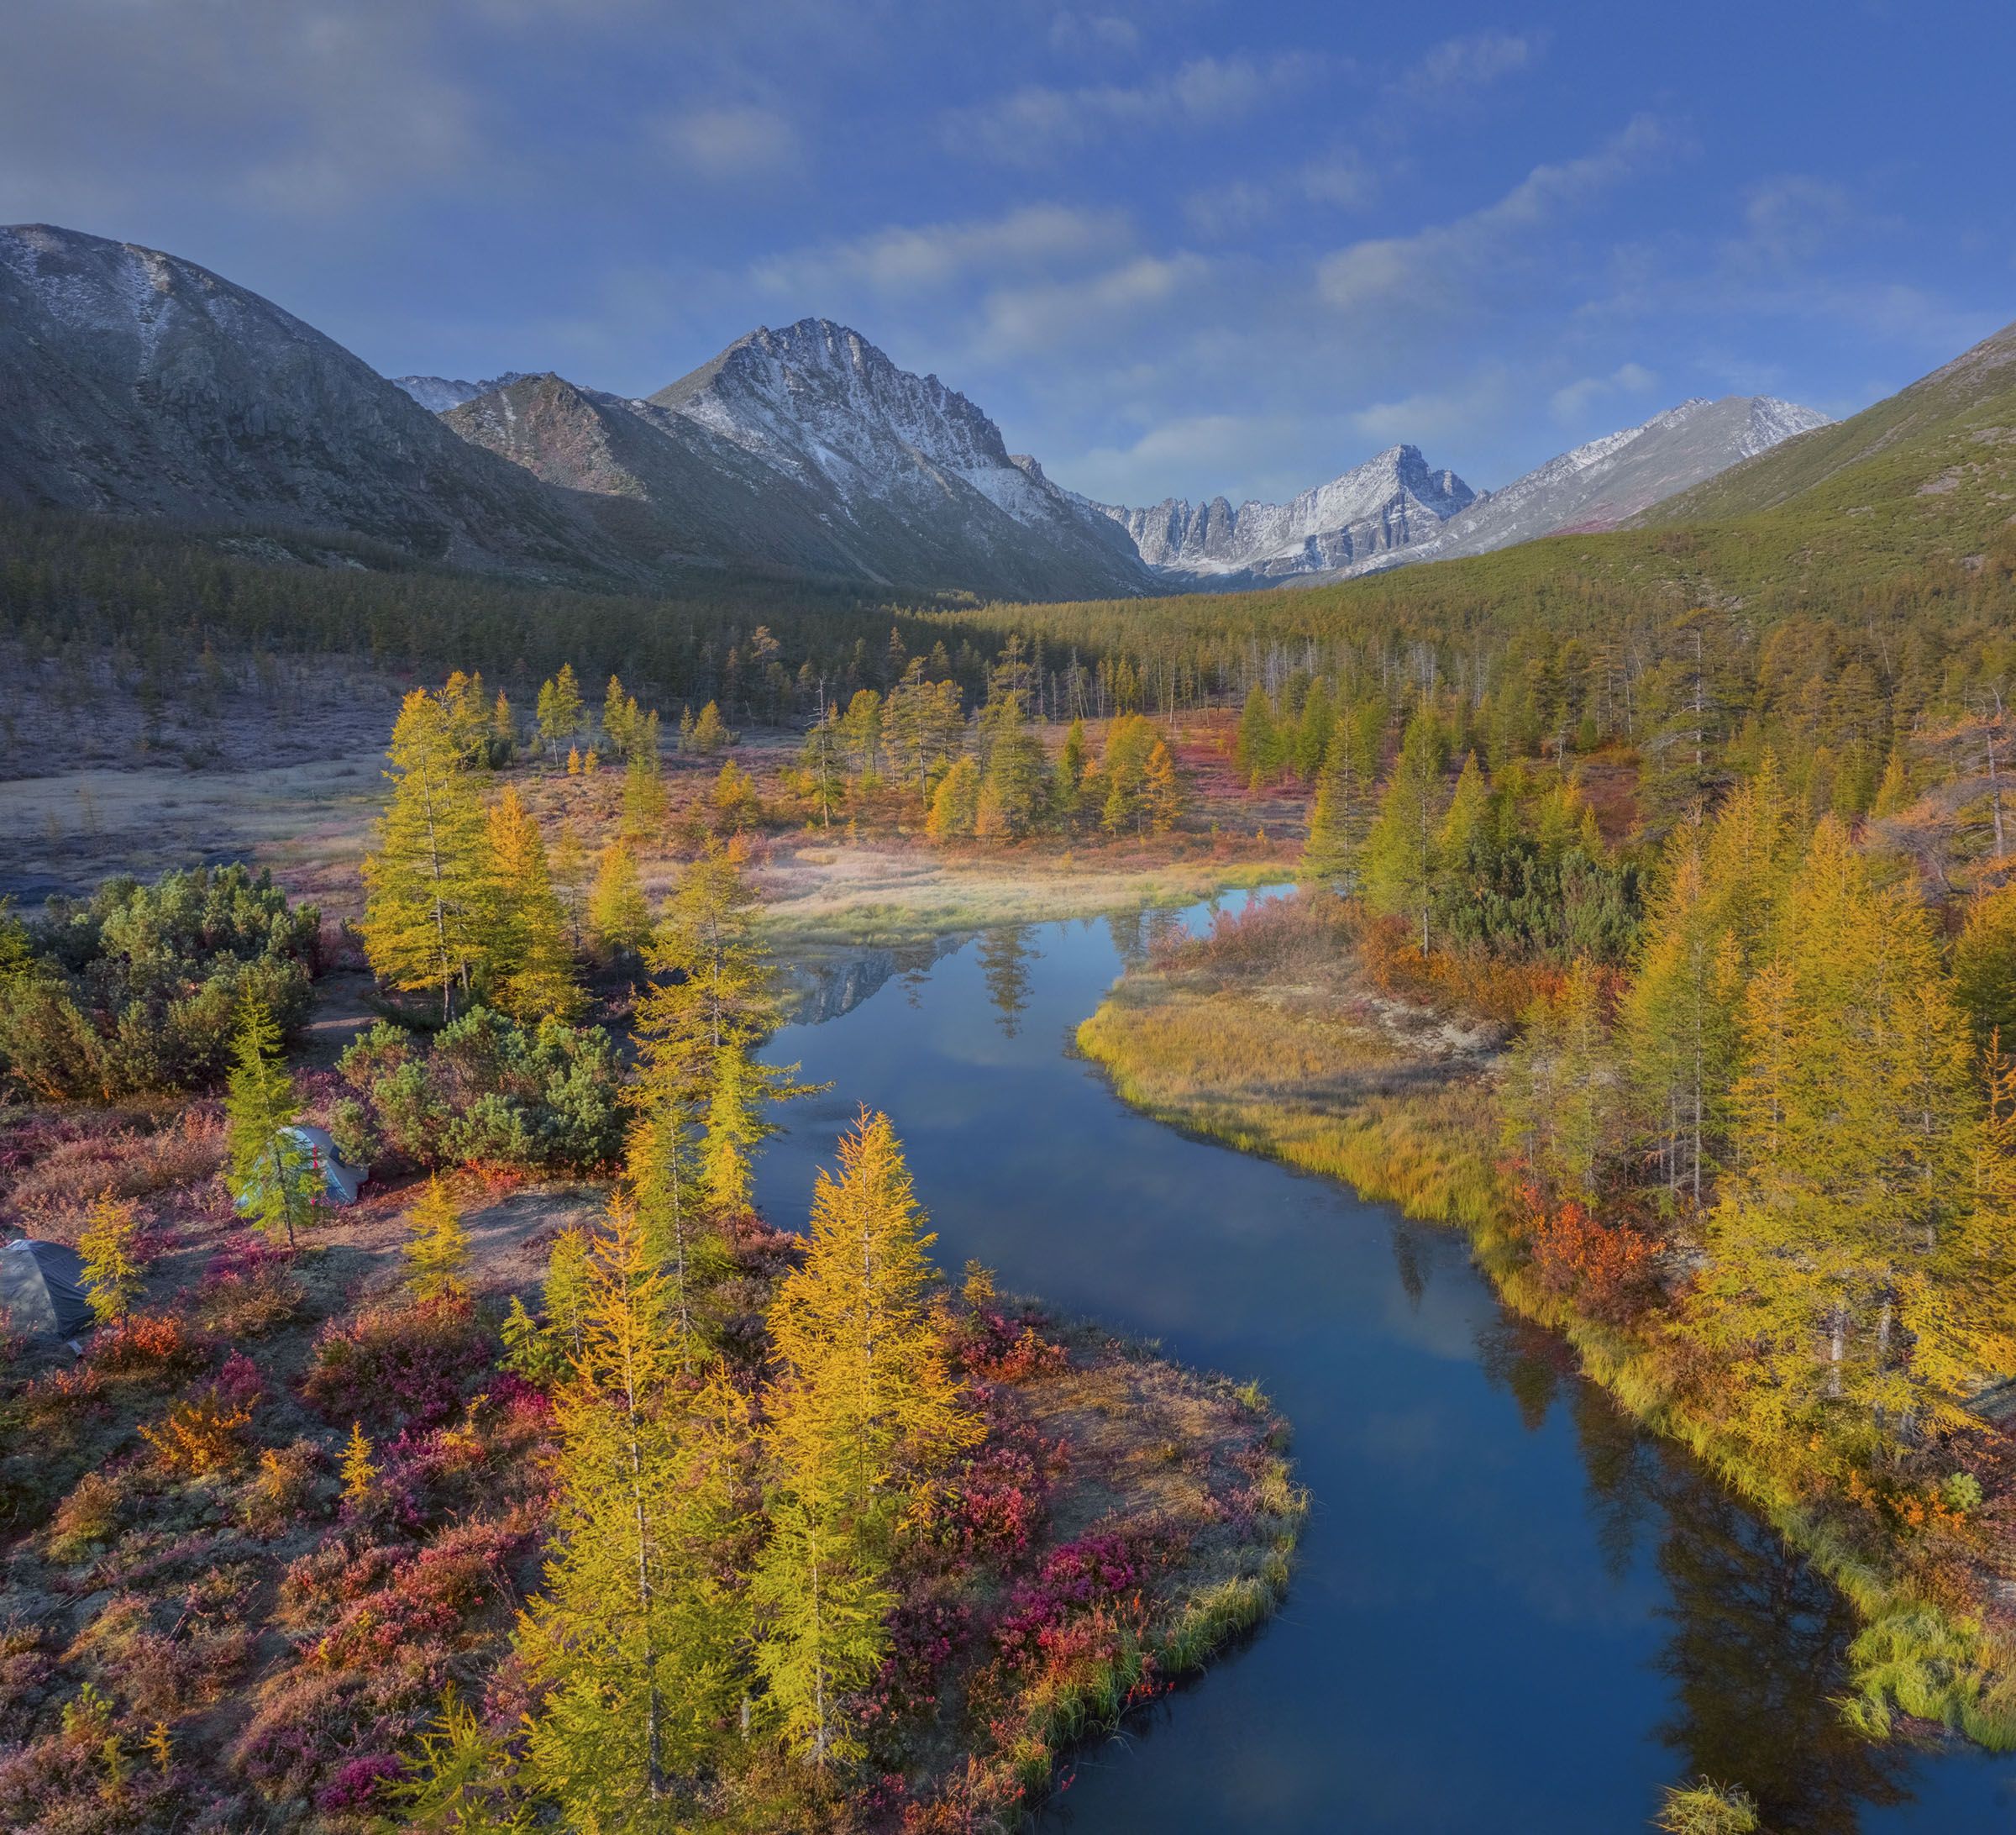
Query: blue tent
[339, 1184]
[42, 1291]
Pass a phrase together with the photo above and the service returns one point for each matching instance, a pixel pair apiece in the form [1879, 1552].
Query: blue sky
[1180, 248]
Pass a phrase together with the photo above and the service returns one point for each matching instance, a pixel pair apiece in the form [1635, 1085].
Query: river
[1513, 1611]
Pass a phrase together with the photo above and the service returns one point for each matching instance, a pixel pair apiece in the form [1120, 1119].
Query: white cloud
[1571, 402]
[1445, 262]
[1432, 417]
[1462, 66]
[933, 254]
[310, 109]
[1342, 181]
[1187, 448]
[1034, 123]
[1054, 312]
[732, 141]
[1072, 33]
[1787, 221]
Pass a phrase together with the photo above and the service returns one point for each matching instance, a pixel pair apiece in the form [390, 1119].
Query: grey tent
[42, 1290]
[340, 1184]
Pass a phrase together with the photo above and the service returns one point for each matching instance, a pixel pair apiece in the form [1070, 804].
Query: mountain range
[138, 383]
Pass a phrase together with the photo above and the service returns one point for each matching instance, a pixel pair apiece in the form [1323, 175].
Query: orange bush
[1606, 1268]
[147, 1344]
[204, 1434]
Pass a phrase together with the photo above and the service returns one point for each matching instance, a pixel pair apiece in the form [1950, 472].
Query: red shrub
[151, 1345]
[414, 1364]
[997, 1349]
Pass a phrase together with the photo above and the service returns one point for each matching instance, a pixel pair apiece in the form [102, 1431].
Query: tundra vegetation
[1754, 1122]
[653, 1516]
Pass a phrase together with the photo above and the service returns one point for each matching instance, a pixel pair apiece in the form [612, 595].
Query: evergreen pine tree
[1337, 818]
[1400, 855]
[1015, 784]
[1316, 729]
[1071, 769]
[1254, 747]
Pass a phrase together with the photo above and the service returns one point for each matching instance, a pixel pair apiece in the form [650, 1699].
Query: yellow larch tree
[427, 886]
[531, 967]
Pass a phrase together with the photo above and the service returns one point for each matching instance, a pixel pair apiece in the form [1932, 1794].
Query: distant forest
[1697, 649]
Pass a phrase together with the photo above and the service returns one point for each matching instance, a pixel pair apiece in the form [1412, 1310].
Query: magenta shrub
[415, 1364]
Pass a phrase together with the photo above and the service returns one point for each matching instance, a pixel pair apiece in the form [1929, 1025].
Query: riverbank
[1270, 1036]
[208, 1609]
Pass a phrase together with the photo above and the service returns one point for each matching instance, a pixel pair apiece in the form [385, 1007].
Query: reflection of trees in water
[1408, 1261]
[1531, 1362]
[1757, 1656]
[1005, 954]
[1757, 1653]
[1129, 930]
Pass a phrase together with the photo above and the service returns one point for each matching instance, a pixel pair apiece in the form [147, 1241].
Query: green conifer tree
[272, 1176]
[1400, 854]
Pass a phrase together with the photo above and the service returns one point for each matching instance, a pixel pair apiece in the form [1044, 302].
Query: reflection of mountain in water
[822, 984]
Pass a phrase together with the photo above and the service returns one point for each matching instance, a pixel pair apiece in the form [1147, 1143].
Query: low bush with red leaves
[415, 1365]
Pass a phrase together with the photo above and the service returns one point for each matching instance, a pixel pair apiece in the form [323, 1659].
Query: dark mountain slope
[135, 382]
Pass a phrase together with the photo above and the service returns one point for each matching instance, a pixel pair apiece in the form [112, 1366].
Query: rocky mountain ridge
[141, 384]
[138, 383]
[437, 394]
[1607, 482]
[1391, 501]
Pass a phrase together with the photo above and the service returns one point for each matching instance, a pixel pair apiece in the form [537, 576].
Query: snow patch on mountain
[1608, 480]
[1391, 501]
[437, 394]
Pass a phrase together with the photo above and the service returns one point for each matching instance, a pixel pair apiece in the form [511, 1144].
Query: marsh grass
[882, 897]
[1264, 1039]
[1322, 1095]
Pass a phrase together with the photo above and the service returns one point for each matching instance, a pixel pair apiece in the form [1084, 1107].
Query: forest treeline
[1696, 650]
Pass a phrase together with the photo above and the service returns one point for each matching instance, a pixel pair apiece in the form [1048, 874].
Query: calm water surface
[1512, 1611]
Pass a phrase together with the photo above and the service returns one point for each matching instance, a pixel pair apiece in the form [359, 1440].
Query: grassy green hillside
[1936, 459]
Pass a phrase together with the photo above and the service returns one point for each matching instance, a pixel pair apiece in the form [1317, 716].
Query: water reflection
[1514, 1612]
[1005, 954]
[1756, 1648]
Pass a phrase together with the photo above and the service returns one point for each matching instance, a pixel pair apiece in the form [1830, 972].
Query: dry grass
[1277, 1070]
